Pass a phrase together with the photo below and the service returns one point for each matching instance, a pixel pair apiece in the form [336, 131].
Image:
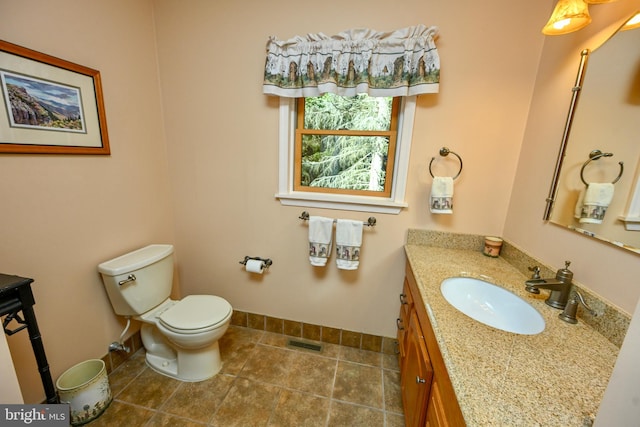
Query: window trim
[391, 205]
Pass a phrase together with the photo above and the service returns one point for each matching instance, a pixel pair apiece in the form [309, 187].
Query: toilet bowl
[180, 336]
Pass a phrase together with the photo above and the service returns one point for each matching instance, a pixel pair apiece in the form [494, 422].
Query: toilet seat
[195, 313]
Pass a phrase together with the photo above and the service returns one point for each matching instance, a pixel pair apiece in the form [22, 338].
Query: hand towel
[577, 212]
[320, 232]
[597, 198]
[348, 242]
[441, 201]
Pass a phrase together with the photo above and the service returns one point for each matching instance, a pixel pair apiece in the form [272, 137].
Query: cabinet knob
[402, 297]
[420, 380]
[399, 324]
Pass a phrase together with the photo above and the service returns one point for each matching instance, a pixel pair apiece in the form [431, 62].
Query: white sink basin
[492, 305]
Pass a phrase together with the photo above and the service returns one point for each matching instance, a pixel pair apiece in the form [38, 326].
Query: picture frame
[49, 105]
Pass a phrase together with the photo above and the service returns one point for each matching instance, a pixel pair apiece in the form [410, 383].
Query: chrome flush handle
[130, 278]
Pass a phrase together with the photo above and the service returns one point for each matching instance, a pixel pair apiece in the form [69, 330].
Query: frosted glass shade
[633, 22]
[568, 16]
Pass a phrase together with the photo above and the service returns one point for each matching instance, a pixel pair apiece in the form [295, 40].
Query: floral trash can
[85, 387]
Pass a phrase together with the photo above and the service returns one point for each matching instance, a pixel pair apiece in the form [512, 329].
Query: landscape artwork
[39, 104]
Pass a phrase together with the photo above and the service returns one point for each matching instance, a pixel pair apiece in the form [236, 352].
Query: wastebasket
[85, 387]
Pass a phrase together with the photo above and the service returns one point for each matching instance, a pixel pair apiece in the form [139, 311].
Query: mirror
[608, 120]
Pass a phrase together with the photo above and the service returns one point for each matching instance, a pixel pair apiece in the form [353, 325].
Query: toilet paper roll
[255, 266]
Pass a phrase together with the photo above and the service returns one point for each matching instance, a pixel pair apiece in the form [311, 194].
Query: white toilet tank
[138, 281]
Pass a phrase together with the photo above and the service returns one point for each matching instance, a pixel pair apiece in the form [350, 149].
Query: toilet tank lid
[135, 260]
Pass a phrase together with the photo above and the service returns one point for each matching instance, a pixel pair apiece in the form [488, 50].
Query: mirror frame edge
[576, 90]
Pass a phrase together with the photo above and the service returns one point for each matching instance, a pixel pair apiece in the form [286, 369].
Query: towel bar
[371, 221]
[444, 152]
[596, 155]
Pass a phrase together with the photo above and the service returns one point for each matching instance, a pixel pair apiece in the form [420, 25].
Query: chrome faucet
[560, 286]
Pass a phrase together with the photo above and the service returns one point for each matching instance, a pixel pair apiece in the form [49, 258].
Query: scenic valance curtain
[399, 63]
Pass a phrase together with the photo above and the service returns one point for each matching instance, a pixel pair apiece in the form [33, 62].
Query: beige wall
[62, 215]
[214, 197]
[222, 137]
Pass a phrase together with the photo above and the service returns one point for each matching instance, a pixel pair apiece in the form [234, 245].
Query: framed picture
[49, 105]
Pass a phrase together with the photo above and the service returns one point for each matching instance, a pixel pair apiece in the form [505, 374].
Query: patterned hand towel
[320, 231]
[441, 201]
[577, 212]
[596, 201]
[348, 242]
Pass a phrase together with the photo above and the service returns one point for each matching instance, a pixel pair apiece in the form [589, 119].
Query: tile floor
[263, 383]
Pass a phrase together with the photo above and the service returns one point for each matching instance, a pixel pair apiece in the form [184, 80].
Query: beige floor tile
[390, 361]
[248, 403]
[233, 360]
[392, 391]
[149, 389]
[344, 414]
[330, 350]
[361, 356]
[126, 372]
[358, 384]
[236, 347]
[268, 364]
[299, 410]
[162, 419]
[236, 333]
[123, 414]
[394, 420]
[199, 400]
[311, 373]
[274, 340]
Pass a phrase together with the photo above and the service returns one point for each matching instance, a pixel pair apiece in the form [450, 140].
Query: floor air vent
[304, 345]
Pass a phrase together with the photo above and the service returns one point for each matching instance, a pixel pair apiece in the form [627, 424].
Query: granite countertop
[555, 378]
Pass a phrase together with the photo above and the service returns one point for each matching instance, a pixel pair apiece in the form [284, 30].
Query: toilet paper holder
[266, 261]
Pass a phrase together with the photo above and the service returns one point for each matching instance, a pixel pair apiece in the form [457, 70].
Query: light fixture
[568, 16]
[633, 22]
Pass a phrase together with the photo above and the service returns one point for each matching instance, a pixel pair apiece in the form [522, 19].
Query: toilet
[180, 337]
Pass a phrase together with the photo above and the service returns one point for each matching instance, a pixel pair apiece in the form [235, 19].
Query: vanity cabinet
[427, 394]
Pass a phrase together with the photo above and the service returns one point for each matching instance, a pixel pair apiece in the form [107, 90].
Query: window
[332, 157]
[345, 145]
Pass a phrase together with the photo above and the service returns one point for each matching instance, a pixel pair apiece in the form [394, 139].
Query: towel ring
[444, 151]
[596, 155]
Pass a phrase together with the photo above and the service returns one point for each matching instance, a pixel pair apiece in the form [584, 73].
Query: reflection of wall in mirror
[607, 118]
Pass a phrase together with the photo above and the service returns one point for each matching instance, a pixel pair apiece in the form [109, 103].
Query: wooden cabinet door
[416, 375]
[436, 415]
